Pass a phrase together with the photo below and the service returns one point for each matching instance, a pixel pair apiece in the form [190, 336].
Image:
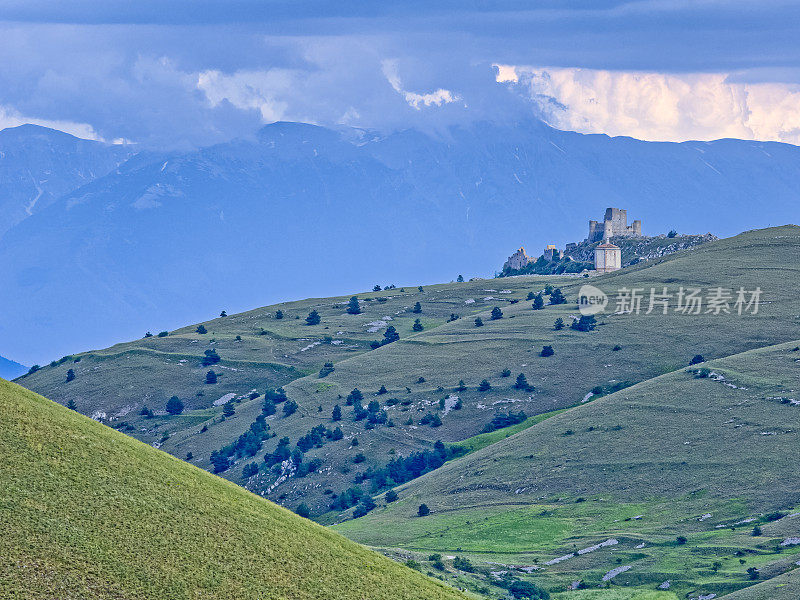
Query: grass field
[657, 448]
[87, 512]
[675, 455]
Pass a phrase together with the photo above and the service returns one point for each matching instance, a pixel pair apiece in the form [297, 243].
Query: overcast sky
[194, 72]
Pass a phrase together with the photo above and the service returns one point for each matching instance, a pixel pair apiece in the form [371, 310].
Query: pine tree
[460, 279]
[417, 326]
[278, 314]
[223, 314]
[353, 307]
[559, 325]
[377, 288]
[522, 382]
[201, 330]
[478, 322]
[497, 313]
[484, 386]
[557, 297]
[70, 375]
[71, 405]
[538, 302]
[211, 377]
[228, 409]
[417, 308]
[313, 318]
[461, 386]
[548, 351]
[337, 413]
[390, 335]
[174, 406]
[269, 407]
[423, 510]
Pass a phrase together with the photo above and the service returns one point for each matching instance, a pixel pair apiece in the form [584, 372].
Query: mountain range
[111, 250]
[10, 369]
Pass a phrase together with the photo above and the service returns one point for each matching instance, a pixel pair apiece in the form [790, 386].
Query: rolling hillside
[621, 388]
[421, 371]
[706, 452]
[88, 512]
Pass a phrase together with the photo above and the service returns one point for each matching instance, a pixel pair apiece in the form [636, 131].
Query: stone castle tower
[615, 223]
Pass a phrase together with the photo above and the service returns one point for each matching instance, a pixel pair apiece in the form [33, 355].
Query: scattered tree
[417, 326]
[201, 329]
[460, 279]
[547, 351]
[681, 540]
[163, 333]
[303, 511]
[585, 323]
[548, 289]
[391, 496]
[354, 397]
[423, 510]
[390, 335]
[672, 233]
[756, 531]
[377, 288]
[538, 302]
[337, 413]
[478, 322]
[353, 307]
[211, 358]
[461, 385]
[249, 470]
[557, 297]
[383, 390]
[753, 573]
[313, 318]
[211, 377]
[148, 334]
[417, 308]
[174, 406]
[484, 386]
[146, 412]
[228, 409]
[522, 382]
[289, 408]
[278, 314]
[71, 405]
[269, 407]
[697, 359]
[223, 314]
[559, 324]
[497, 313]
[70, 375]
[326, 370]
[505, 373]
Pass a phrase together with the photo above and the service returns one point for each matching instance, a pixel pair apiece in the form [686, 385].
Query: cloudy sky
[193, 72]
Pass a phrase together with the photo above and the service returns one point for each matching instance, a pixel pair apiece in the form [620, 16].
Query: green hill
[421, 371]
[705, 452]
[87, 512]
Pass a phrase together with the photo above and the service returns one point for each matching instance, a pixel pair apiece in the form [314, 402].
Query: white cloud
[253, 90]
[9, 117]
[658, 106]
[414, 99]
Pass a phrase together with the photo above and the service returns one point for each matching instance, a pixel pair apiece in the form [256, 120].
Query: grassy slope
[88, 512]
[444, 353]
[669, 450]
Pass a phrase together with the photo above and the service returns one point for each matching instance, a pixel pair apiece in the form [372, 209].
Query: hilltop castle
[615, 224]
[607, 256]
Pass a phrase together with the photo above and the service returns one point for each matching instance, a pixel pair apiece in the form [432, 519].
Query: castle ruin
[615, 224]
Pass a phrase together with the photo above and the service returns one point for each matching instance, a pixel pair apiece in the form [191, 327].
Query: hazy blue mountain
[38, 164]
[303, 210]
[10, 369]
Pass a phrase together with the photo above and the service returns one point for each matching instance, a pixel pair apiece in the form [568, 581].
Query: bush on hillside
[501, 420]
[174, 406]
[313, 318]
[496, 313]
[484, 386]
[201, 329]
[353, 307]
[547, 351]
[478, 322]
[289, 408]
[326, 370]
[697, 359]
[211, 358]
[423, 510]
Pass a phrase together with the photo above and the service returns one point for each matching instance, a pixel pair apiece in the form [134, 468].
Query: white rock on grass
[614, 572]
